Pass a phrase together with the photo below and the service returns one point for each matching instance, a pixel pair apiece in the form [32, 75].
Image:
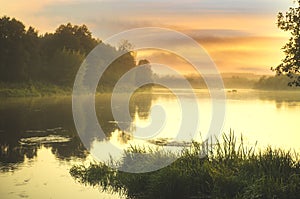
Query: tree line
[27, 56]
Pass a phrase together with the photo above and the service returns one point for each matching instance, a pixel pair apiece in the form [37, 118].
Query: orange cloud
[236, 54]
[240, 35]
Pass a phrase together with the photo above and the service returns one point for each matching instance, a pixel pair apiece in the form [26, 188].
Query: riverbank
[40, 89]
[32, 89]
[229, 170]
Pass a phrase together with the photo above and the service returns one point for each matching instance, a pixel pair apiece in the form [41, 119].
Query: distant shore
[39, 89]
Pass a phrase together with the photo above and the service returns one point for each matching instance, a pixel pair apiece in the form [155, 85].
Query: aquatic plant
[227, 169]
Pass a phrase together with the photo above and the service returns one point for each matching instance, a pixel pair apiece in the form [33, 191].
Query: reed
[226, 169]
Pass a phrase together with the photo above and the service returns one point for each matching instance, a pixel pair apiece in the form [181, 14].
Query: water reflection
[26, 125]
[286, 99]
[39, 133]
[283, 99]
[140, 104]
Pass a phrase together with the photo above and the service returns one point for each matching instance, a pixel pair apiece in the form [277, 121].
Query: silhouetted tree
[64, 51]
[70, 37]
[117, 68]
[290, 66]
[64, 66]
[125, 45]
[13, 52]
[56, 57]
[145, 73]
[34, 59]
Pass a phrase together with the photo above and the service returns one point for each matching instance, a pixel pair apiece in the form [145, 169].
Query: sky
[239, 35]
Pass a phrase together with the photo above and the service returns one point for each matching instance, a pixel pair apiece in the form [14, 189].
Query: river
[39, 142]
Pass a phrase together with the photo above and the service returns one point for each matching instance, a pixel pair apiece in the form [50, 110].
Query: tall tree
[118, 67]
[145, 74]
[64, 66]
[32, 44]
[290, 66]
[73, 37]
[12, 50]
[64, 51]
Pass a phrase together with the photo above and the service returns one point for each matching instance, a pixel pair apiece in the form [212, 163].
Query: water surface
[39, 143]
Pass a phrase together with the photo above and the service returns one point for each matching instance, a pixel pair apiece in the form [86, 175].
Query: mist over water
[40, 133]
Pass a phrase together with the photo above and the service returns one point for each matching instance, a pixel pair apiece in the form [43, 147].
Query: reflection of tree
[104, 114]
[26, 118]
[140, 103]
[281, 98]
[74, 148]
[13, 153]
[12, 122]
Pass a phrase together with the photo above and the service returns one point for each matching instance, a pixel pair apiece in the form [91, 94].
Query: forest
[38, 64]
[34, 64]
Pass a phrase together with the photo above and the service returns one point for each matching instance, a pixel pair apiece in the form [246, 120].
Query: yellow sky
[242, 55]
[239, 35]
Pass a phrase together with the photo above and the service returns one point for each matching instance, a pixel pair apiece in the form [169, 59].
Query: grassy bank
[40, 89]
[32, 89]
[230, 170]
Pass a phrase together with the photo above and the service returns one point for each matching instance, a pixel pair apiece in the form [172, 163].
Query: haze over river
[39, 142]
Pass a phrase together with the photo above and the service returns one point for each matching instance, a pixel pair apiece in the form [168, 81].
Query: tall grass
[32, 89]
[227, 169]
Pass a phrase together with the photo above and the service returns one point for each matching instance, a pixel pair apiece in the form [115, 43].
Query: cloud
[129, 8]
[233, 54]
[238, 34]
[215, 33]
[230, 53]
[258, 70]
[116, 15]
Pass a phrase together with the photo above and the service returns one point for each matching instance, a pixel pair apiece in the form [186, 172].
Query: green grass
[40, 89]
[32, 89]
[229, 170]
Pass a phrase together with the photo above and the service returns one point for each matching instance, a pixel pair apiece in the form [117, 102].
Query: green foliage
[290, 66]
[117, 69]
[25, 56]
[281, 82]
[64, 66]
[54, 58]
[228, 170]
[146, 74]
[31, 89]
[63, 52]
[13, 50]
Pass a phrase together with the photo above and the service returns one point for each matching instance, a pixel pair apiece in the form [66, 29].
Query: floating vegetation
[44, 140]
